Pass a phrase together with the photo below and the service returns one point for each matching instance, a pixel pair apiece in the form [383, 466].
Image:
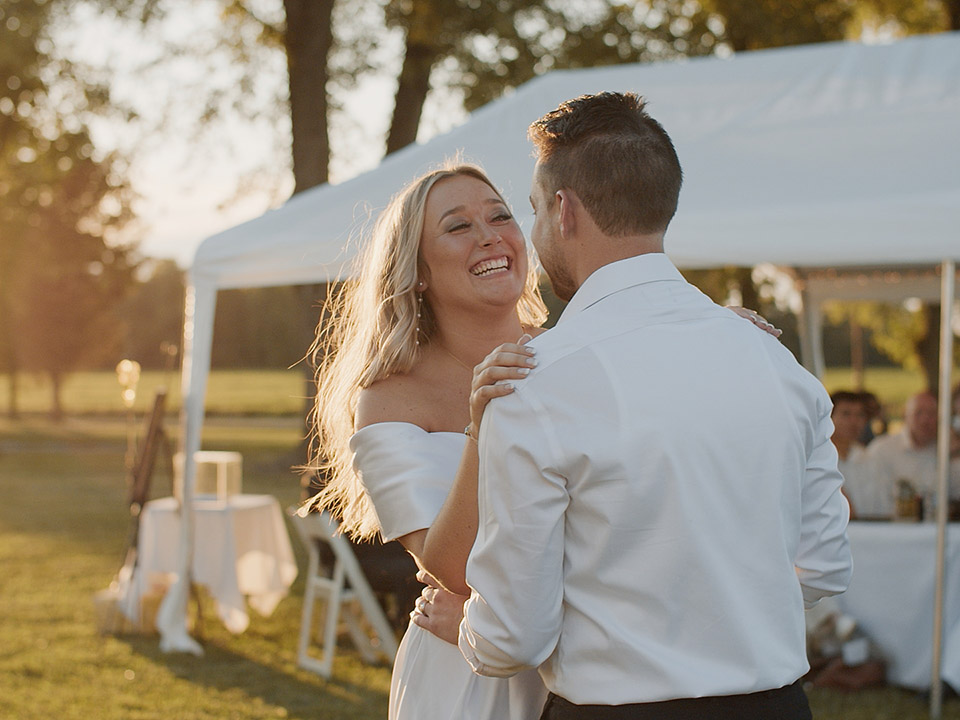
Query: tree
[61, 203]
[485, 48]
[908, 336]
[151, 317]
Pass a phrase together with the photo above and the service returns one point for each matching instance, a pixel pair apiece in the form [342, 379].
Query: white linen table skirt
[891, 597]
[241, 549]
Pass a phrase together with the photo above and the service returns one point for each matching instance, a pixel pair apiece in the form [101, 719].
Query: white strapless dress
[408, 473]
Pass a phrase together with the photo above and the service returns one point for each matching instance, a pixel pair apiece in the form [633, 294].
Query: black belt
[786, 703]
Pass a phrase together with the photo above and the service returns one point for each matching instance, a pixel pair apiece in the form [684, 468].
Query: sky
[188, 182]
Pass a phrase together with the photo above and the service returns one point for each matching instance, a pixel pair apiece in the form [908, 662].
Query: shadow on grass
[355, 692]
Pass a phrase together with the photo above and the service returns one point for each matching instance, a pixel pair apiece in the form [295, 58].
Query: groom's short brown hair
[617, 159]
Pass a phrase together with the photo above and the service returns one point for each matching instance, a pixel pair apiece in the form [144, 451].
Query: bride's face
[471, 247]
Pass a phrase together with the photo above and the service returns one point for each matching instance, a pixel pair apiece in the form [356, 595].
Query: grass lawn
[229, 392]
[63, 524]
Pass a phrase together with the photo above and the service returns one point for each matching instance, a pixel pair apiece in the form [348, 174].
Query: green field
[229, 392]
[281, 392]
[63, 524]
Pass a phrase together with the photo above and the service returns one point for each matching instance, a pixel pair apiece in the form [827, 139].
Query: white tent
[830, 155]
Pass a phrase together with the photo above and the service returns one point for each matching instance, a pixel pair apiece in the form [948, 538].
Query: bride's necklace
[460, 362]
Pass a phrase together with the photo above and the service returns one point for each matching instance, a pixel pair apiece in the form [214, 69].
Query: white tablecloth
[891, 597]
[241, 548]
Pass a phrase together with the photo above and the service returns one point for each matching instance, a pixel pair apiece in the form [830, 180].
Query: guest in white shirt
[908, 459]
[849, 419]
[659, 498]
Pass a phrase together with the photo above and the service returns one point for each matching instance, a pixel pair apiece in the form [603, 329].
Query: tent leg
[811, 335]
[947, 280]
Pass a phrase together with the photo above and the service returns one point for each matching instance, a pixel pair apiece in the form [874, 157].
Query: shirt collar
[620, 275]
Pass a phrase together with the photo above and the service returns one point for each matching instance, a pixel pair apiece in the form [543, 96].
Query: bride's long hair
[368, 331]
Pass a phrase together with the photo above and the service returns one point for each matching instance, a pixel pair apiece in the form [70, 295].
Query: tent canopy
[825, 155]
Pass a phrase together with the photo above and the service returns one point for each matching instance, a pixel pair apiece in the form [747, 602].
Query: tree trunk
[953, 14]
[928, 347]
[856, 353]
[56, 386]
[412, 92]
[749, 296]
[308, 39]
[13, 386]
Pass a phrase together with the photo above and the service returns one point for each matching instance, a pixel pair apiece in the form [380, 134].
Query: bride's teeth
[489, 266]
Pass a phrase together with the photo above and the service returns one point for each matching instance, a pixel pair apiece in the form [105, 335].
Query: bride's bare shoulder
[398, 398]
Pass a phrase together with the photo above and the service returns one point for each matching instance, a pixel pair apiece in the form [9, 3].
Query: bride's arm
[442, 550]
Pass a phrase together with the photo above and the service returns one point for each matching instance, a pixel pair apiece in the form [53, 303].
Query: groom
[659, 498]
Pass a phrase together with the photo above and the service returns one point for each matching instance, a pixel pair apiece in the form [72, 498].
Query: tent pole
[199, 307]
[947, 282]
[811, 334]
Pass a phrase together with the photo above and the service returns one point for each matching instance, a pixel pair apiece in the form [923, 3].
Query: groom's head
[617, 159]
[605, 186]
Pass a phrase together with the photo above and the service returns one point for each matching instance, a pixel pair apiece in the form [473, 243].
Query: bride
[444, 280]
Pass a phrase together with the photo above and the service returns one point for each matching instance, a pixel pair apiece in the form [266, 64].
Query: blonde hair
[368, 331]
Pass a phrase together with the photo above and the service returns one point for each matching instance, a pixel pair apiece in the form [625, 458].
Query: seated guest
[876, 423]
[907, 460]
[849, 419]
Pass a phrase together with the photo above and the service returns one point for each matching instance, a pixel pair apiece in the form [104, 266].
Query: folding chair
[345, 588]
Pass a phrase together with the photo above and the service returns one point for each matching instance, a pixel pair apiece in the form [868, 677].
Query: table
[241, 548]
[891, 597]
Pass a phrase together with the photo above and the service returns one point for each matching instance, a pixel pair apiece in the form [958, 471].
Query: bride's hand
[510, 361]
[438, 610]
[757, 319]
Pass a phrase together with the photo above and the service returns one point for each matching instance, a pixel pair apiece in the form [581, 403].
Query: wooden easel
[142, 471]
[139, 480]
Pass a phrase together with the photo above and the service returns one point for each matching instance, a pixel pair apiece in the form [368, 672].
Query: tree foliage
[60, 205]
[482, 49]
[906, 333]
[151, 317]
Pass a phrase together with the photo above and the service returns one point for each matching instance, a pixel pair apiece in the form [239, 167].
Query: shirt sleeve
[513, 617]
[823, 562]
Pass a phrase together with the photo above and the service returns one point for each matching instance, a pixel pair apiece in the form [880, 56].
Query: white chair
[345, 588]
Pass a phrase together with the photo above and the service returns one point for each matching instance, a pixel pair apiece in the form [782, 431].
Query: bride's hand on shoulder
[492, 377]
[757, 319]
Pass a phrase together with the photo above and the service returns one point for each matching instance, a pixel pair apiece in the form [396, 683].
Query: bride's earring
[419, 311]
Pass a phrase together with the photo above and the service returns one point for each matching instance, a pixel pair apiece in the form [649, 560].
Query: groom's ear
[566, 211]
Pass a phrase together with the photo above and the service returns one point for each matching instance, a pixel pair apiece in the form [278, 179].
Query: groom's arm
[823, 561]
[513, 617]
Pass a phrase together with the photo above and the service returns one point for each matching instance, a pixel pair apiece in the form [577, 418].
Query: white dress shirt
[860, 484]
[894, 457]
[659, 498]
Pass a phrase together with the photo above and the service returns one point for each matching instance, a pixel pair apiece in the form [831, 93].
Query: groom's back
[683, 435]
